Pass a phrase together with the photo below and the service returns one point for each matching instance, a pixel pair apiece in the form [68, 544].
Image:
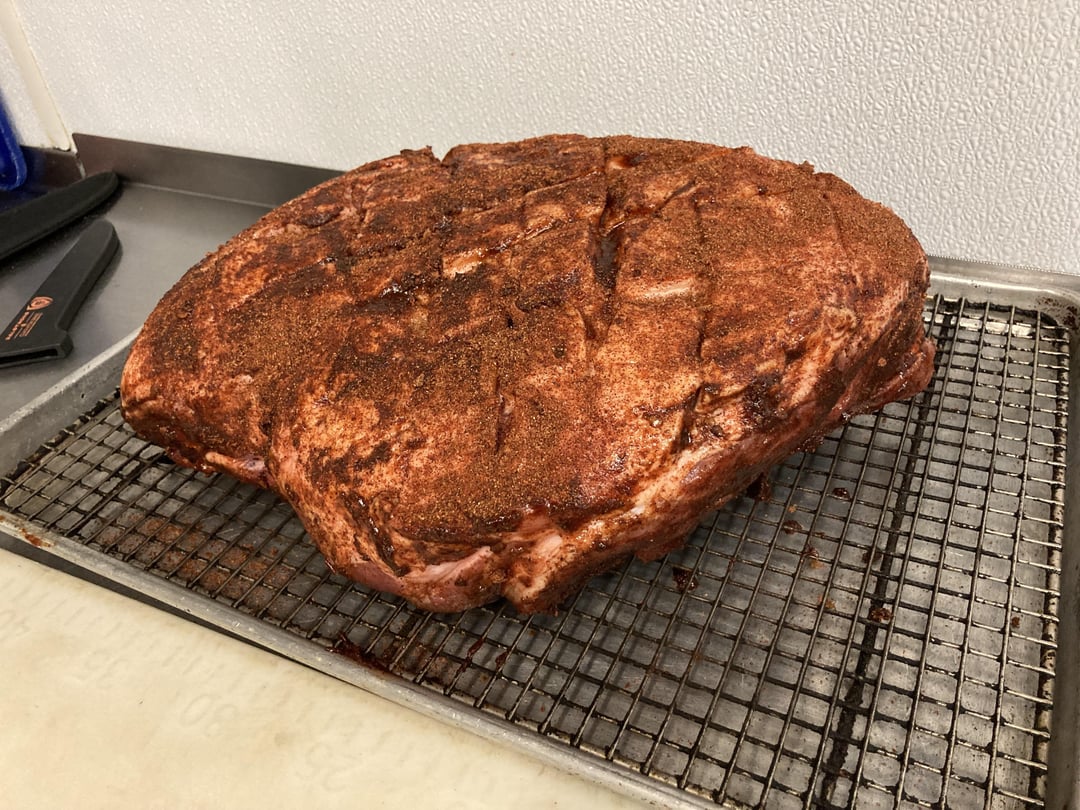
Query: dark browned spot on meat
[385, 547]
[549, 293]
[794, 349]
[682, 190]
[842, 493]
[656, 416]
[377, 455]
[592, 330]
[578, 508]
[617, 162]
[320, 216]
[605, 269]
[689, 417]
[703, 333]
[412, 281]
[761, 403]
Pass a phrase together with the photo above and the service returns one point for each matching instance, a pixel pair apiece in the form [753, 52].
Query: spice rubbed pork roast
[503, 372]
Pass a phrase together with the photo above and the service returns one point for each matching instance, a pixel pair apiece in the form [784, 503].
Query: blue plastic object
[12, 162]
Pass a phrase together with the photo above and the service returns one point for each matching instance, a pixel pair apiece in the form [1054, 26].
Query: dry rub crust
[502, 372]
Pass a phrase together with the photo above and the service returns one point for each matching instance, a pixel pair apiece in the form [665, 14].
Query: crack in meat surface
[503, 372]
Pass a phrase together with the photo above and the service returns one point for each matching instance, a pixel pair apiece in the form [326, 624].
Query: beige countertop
[108, 702]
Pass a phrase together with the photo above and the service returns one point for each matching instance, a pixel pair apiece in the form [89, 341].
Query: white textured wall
[964, 117]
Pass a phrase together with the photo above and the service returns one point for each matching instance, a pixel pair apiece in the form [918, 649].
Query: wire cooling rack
[877, 627]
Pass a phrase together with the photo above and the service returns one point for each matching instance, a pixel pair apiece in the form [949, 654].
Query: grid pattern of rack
[875, 628]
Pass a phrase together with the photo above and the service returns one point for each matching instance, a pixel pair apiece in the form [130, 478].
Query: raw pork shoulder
[503, 372]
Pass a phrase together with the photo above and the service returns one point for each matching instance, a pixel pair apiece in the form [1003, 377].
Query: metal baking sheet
[880, 627]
